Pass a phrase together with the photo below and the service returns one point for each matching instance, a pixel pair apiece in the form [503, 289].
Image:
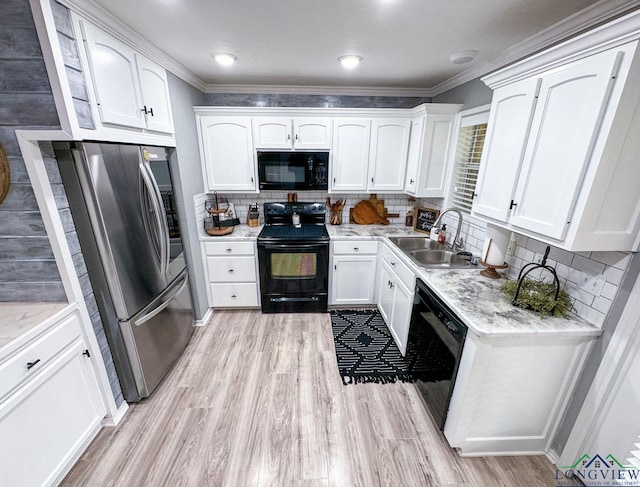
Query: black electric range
[293, 256]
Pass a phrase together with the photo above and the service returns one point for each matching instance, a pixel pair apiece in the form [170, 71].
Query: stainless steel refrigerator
[122, 201]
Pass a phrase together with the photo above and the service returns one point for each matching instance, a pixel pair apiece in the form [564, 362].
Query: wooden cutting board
[378, 205]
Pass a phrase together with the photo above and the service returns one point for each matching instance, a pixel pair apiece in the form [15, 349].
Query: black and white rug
[365, 348]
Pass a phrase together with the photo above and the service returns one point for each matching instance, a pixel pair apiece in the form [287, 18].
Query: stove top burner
[289, 232]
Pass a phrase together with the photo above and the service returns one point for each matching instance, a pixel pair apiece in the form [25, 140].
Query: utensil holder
[335, 217]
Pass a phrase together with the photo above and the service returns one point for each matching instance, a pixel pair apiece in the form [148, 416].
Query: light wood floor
[256, 400]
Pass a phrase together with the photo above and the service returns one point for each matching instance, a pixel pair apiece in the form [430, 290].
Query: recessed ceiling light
[462, 57]
[225, 58]
[350, 61]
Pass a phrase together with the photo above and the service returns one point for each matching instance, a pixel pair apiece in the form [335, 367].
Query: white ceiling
[405, 43]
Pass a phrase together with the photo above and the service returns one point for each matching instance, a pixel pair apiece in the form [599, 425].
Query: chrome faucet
[457, 243]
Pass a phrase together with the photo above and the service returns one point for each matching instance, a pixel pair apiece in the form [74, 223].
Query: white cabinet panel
[297, 133]
[568, 115]
[507, 131]
[115, 78]
[353, 279]
[155, 95]
[130, 89]
[234, 294]
[430, 144]
[226, 147]
[312, 133]
[389, 148]
[232, 269]
[350, 154]
[402, 306]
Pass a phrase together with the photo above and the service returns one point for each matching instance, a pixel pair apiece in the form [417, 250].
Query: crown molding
[580, 22]
[125, 34]
[318, 90]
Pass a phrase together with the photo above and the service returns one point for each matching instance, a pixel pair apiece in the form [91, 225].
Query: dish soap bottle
[442, 235]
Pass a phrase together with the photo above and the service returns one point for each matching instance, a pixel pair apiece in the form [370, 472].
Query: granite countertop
[18, 318]
[240, 232]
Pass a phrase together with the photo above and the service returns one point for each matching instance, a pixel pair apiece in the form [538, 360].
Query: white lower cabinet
[396, 288]
[232, 274]
[510, 393]
[353, 272]
[52, 411]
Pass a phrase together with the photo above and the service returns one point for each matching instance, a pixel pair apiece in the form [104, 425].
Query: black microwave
[293, 170]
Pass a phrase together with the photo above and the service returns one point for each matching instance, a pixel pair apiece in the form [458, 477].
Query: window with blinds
[471, 137]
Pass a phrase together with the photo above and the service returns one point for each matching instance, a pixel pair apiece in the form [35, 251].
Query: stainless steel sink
[430, 254]
[416, 243]
[438, 258]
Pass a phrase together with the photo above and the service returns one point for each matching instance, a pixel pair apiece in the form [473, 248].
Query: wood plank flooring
[257, 400]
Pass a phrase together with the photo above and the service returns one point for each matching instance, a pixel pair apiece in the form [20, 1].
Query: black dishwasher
[436, 339]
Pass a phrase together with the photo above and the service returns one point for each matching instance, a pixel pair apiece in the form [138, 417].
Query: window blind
[466, 165]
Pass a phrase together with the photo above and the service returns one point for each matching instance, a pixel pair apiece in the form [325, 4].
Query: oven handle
[295, 300]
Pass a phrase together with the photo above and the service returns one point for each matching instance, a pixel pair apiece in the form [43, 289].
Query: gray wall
[28, 271]
[187, 174]
[472, 94]
[323, 101]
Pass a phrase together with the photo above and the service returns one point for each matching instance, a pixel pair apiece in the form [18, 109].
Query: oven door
[294, 276]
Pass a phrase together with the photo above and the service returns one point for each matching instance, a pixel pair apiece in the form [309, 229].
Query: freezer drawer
[156, 337]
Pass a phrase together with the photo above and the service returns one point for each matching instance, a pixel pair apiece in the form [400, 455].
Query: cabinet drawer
[232, 269]
[402, 271]
[232, 295]
[355, 247]
[14, 371]
[230, 248]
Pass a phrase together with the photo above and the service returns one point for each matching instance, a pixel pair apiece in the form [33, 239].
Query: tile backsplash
[591, 279]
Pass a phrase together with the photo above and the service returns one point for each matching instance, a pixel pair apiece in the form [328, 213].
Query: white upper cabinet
[297, 133]
[430, 145]
[350, 154]
[155, 95]
[560, 160]
[388, 160]
[226, 149]
[130, 90]
[509, 122]
[566, 122]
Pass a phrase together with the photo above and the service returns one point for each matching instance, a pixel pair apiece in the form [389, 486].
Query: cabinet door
[350, 154]
[510, 118]
[227, 153]
[312, 133]
[414, 155]
[385, 301]
[272, 133]
[401, 316]
[389, 147]
[353, 279]
[43, 425]
[155, 95]
[570, 108]
[115, 79]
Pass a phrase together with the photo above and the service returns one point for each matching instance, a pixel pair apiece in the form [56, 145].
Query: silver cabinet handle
[229, 250]
[356, 249]
[230, 271]
[234, 296]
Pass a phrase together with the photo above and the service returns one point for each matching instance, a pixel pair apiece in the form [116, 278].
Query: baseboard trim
[205, 319]
[113, 421]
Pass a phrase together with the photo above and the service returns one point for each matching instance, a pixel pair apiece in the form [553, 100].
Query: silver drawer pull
[392, 263]
[230, 271]
[356, 249]
[234, 296]
[31, 364]
[229, 250]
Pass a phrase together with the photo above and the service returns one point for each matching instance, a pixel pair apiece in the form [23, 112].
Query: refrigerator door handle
[164, 304]
[159, 213]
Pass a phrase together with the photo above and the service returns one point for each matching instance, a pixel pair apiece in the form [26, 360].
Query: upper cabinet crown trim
[615, 33]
